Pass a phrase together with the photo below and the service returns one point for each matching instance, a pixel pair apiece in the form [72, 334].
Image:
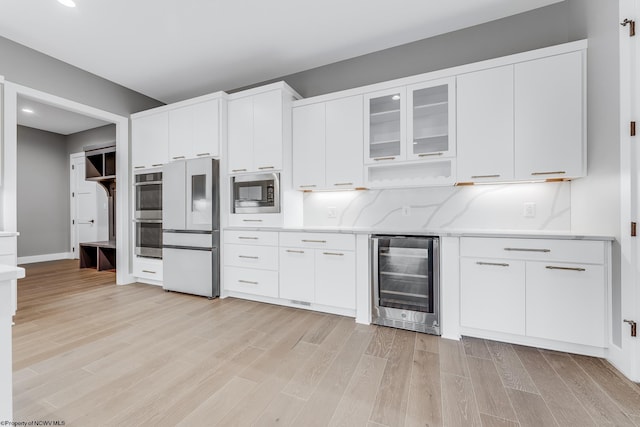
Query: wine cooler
[406, 282]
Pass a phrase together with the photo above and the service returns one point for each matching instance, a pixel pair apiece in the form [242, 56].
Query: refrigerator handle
[374, 247]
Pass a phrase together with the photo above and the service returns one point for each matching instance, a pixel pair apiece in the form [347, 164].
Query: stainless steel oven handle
[148, 221]
[148, 183]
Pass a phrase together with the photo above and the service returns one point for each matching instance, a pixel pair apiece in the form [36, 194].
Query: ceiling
[53, 119]
[174, 50]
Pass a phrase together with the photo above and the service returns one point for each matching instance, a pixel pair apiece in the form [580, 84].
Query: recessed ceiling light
[68, 3]
[27, 110]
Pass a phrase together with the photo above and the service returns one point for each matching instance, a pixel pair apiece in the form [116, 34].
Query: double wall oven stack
[148, 214]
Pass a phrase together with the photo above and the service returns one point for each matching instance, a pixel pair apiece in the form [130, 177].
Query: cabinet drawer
[566, 302]
[251, 281]
[147, 268]
[346, 242]
[262, 238]
[8, 245]
[249, 256]
[582, 251]
[255, 220]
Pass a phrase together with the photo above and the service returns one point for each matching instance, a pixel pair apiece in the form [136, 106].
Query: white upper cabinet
[194, 130]
[344, 137]
[240, 136]
[384, 129]
[549, 118]
[184, 130]
[327, 144]
[267, 131]
[259, 131]
[523, 122]
[309, 134]
[485, 125]
[150, 140]
[431, 115]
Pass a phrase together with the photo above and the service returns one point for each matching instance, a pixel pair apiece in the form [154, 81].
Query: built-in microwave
[258, 193]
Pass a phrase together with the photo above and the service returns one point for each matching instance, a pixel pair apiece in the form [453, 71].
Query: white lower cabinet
[318, 268]
[565, 302]
[251, 262]
[300, 269]
[540, 289]
[148, 268]
[297, 278]
[492, 295]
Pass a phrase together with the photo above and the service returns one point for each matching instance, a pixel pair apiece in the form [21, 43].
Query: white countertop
[520, 234]
[8, 272]
[9, 233]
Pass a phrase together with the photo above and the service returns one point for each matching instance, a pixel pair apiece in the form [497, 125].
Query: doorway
[9, 219]
[89, 207]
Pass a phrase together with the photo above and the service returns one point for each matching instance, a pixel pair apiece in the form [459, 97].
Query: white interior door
[89, 207]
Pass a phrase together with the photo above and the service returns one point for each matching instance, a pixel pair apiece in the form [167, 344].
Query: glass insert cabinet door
[431, 120]
[385, 113]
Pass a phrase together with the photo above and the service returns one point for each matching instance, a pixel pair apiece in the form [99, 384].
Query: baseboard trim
[44, 258]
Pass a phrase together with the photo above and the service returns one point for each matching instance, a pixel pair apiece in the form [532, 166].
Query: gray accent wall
[36, 70]
[43, 193]
[77, 141]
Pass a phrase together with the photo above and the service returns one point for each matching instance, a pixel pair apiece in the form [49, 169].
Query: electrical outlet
[332, 212]
[406, 211]
[529, 210]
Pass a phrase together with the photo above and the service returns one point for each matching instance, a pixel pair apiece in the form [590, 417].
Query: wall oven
[148, 195]
[406, 282]
[259, 193]
[148, 214]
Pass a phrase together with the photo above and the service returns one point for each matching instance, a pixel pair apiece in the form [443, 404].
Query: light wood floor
[91, 353]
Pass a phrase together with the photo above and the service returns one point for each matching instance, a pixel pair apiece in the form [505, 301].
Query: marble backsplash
[495, 207]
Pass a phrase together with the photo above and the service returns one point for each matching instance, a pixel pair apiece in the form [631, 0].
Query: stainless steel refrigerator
[191, 227]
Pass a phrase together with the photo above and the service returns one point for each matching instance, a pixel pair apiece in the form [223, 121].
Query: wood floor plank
[216, 406]
[458, 402]
[391, 401]
[427, 342]
[359, 397]
[490, 421]
[489, 391]
[305, 381]
[510, 367]
[381, 343]
[281, 411]
[476, 347]
[531, 409]
[452, 358]
[595, 401]
[425, 391]
[322, 404]
[564, 406]
[625, 394]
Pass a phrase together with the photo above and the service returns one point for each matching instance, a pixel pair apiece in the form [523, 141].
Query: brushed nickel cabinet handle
[248, 257]
[497, 264]
[266, 167]
[430, 154]
[307, 186]
[343, 183]
[314, 241]
[252, 220]
[527, 250]
[553, 267]
[157, 164]
[333, 253]
[138, 167]
[178, 157]
[294, 252]
[548, 173]
[149, 271]
[485, 176]
[248, 282]
[203, 154]
[238, 170]
[377, 159]
[247, 238]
